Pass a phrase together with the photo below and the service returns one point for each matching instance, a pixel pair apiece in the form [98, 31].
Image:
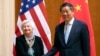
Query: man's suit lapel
[74, 26]
[62, 33]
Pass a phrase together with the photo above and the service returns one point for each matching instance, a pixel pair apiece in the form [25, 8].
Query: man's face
[67, 13]
[27, 28]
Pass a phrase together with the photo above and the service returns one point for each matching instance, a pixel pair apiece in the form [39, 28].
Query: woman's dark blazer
[22, 46]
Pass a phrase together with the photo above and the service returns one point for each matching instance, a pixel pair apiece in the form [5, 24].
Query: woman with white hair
[28, 44]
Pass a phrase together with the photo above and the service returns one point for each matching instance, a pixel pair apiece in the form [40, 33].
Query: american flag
[35, 11]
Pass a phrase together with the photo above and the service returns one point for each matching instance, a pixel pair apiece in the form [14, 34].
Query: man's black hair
[67, 4]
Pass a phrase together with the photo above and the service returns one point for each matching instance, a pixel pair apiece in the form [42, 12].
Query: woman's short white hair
[27, 21]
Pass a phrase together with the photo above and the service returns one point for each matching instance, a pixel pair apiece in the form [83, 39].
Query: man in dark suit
[28, 44]
[71, 36]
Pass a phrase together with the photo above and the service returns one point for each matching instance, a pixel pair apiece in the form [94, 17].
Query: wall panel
[95, 16]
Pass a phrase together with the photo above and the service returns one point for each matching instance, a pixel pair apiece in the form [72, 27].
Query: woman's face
[27, 28]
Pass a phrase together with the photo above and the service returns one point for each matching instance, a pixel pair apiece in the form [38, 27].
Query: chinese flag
[82, 13]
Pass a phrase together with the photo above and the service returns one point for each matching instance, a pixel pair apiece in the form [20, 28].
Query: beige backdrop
[7, 26]
[54, 15]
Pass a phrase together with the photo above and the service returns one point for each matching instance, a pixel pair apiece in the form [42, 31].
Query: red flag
[82, 13]
[35, 11]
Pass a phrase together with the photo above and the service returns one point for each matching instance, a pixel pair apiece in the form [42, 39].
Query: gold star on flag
[78, 7]
[86, 1]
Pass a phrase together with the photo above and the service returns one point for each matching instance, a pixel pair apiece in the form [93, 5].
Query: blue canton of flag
[28, 4]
